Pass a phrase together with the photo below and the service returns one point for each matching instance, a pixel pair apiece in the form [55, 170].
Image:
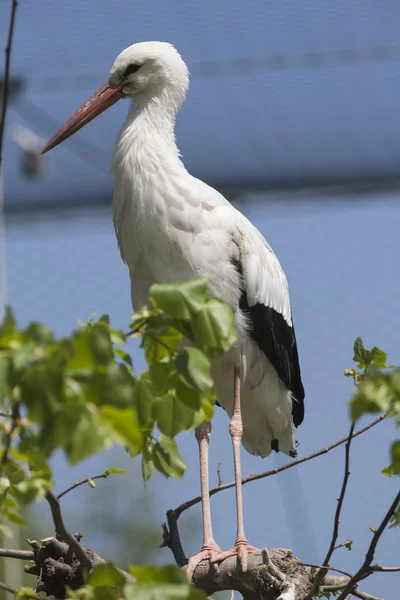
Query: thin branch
[5, 415]
[322, 572]
[185, 505]
[6, 82]
[20, 554]
[78, 483]
[380, 569]
[219, 473]
[172, 540]
[369, 557]
[329, 569]
[365, 596]
[62, 531]
[356, 593]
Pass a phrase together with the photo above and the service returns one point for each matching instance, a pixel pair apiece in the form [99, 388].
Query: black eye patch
[131, 69]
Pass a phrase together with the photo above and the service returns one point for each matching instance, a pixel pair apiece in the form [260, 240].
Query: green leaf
[4, 488]
[190, 397]
[361, 355]
[194, 368]
[152, 573]
[388, 471]
[106, 574]
[167, 459]
[125, 356]
[30, 489]
[157, 591]
[4, 382]
[159, 373]
[181, 300]
[7, 328]
[118, 336]
[172, 415]
[125, 427]
[15, 518]
[115, 471]
[39, 333]
[147, 459]
[372, 396]
[395, 454]
[88, 437]
[213, 328]
[379, 357]
[143, 397]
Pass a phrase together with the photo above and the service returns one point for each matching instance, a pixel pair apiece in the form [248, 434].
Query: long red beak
[105, 97]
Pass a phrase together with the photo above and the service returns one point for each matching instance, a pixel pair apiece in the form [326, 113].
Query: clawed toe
[206, 553]
[241, 550]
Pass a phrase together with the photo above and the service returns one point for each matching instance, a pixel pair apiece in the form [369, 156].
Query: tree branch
[329, 569]
[20, 554]
[6, 82]
[62, 532]
[380, 569]
[78, 483]
[369, 557]
[365, 596]
[172, 540]
[322, 572]
[185, 505]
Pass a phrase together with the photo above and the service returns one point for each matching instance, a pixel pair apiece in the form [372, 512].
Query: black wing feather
[277, 340]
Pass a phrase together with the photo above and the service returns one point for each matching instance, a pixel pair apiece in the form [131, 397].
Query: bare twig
[21, 554]
[380, 569]
[6, 82]
[322, 572]
[219, 473]
[329, 569]
[5, 415]
[369, 557]
[185, 505]
[62, 531]
[78, 483]
[365, 596]
[337, 584]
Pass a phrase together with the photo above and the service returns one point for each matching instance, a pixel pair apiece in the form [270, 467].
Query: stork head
[151, 69]
[144, 71]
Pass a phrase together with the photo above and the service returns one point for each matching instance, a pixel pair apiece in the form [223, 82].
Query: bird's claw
[206, 553]
[241, 550]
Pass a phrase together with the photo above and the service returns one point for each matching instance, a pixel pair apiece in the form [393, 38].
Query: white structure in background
[33, 165]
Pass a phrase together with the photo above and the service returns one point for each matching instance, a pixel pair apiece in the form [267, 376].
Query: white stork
[172, 226]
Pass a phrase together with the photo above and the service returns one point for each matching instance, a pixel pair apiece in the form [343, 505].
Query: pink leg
[209, 547]
[242, 546]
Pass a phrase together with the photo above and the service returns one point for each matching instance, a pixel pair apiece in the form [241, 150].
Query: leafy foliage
[378, 390]
[80, 394]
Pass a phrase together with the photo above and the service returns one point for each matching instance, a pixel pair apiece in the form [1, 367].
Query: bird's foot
[241, 549]
[208, 551]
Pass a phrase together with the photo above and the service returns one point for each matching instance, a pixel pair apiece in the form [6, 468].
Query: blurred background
[293, 114]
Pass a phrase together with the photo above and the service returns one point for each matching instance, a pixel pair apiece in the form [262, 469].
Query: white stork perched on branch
[171, 226]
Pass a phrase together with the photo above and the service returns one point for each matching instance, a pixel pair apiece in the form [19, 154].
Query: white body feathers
[171, 226]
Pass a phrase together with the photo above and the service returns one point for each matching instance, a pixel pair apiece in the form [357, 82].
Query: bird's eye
[131, 69]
